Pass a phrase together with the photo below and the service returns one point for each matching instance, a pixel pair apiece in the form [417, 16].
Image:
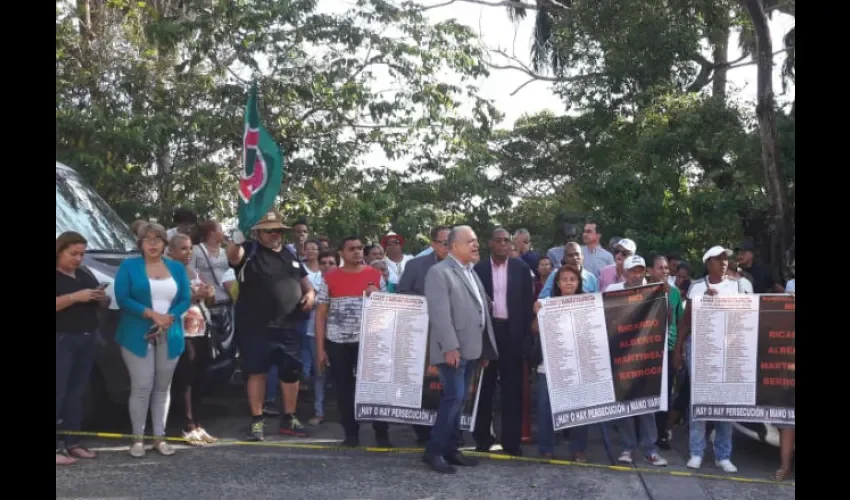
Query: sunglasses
[620, 251]
[272, 231]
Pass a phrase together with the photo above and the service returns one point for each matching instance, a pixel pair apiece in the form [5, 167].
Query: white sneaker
[694, 462]
[657, 460]
[194, 438]
[726, 465]
[625, 457]
[137, 450]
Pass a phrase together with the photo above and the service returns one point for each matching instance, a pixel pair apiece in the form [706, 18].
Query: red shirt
[343, 292]
[343, 284]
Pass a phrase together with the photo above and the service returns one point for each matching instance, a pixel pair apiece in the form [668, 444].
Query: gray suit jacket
[412, 280]
[454, 314]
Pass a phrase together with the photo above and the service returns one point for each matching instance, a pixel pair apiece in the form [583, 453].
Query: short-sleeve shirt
[791, 286]
[343, 292]
[211, 269]
[81, 317]
[728, 286]
[271, 290]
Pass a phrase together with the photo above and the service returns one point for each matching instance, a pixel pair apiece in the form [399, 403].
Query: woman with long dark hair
[78, 296]
[567, 282]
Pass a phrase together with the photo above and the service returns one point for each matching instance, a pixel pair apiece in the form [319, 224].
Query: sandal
[63, 459]
[81, 452]
[782, 474]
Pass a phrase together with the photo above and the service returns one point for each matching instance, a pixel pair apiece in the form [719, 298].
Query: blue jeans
[648, 433]
[446, 433]
[74, 359]
[318, 380]
[696, 433]
[545, 428]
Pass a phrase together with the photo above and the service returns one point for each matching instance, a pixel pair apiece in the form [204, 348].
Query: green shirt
[677, 310]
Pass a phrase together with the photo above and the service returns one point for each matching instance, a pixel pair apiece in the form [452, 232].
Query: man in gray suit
[461, 337]
[413, 283]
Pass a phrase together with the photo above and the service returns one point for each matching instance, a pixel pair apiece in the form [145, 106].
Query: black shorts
[263, 348]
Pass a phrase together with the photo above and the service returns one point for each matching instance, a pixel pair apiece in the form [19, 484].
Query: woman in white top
[567, 282]
[152, 293]
[210, 260]
[195, 359]
[314, 274]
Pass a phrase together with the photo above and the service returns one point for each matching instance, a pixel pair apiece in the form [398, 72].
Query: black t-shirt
[80, 317]
[763, 281]
[271, 289]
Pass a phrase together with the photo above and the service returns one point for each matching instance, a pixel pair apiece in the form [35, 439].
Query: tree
[149, 95]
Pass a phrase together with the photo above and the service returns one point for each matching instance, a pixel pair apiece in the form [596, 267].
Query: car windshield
[79, 208]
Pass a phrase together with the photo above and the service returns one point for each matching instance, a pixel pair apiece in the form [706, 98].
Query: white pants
[150, 387]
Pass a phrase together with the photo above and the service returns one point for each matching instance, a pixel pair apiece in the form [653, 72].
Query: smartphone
[102, 286]
[152, 334]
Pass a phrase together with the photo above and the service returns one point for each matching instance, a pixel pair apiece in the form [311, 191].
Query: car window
[79, 208]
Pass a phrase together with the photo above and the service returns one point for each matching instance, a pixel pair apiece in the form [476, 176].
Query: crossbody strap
[212, 270]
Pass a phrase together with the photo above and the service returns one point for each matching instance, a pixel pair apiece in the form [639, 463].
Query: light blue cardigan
[133, 294]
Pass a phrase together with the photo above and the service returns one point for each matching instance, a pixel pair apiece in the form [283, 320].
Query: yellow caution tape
[491, 456]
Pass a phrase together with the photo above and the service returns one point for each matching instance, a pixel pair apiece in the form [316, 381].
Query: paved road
[236, 471]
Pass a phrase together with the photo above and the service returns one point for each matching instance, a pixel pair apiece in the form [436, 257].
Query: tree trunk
[781, 225]
[719, 40]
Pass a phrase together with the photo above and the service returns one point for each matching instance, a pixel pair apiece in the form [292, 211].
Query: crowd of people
[295, 310]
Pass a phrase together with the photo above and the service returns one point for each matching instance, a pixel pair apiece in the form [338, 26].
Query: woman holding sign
[567, 281]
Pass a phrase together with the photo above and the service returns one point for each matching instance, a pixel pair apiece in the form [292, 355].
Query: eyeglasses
[445, 243]
[393, 242]
[625, 253]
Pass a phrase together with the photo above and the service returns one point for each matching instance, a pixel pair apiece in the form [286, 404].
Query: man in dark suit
[412, 282]
[510, 291]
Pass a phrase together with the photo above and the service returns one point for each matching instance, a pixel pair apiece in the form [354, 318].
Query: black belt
[499, 320]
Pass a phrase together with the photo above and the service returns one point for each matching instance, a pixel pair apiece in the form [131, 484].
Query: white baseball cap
[634, 261]
[627, 244]
[716, 251]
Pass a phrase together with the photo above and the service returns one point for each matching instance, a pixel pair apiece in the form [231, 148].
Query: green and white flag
[262, 168]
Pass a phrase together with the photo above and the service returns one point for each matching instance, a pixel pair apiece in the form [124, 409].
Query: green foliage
[149, 98]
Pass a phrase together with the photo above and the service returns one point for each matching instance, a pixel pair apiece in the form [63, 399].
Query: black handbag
[220, 326]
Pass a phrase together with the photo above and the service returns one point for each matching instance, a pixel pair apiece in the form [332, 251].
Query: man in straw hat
[274, 294]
